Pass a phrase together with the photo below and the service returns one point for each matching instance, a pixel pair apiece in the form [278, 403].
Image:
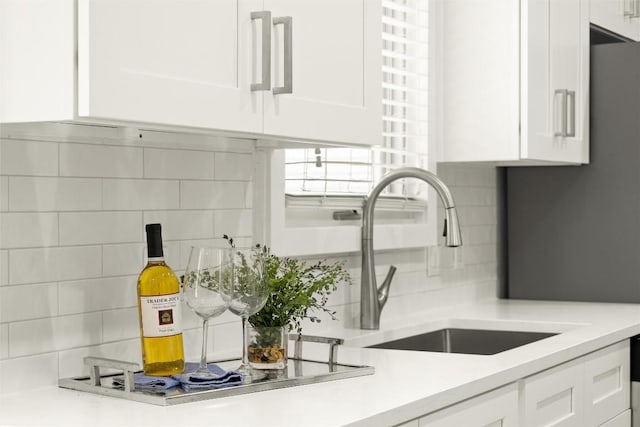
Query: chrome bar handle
[265, 17]
[571, 131]
[563, 110]
[636, 9]
[288, 55]
[128, 369]
[332, 342]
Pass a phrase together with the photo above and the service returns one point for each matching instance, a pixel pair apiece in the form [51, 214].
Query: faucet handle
[383, 290]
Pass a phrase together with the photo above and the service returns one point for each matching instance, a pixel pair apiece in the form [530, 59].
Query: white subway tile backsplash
[178, 164]
[227, 338]
[212, 195]
[53, 264]
[90, 160]
[139, 194]
[4, 341]
[28, 302]
[97, 294]
[233, 166]
[172, 255]
[81, 228]
[181, 225]
[36, 158]
[72, 216]
[4, 193]
[71, 361]
[102, 195]
[248, 197]
[474, 196]
[4, 267]
[124, 259]
[223, 341]
[477, 215]
[235, 223]
[479, 234]
[55, 194]
[185, 249]
[28, 373]
[121, 324]
[24, 230]
[479, 254]
[54, 334]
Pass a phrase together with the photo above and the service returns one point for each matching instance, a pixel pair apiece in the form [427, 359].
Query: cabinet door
[607, 385]
[555, 81]
[619, 16]
[497, 408]
[335, 69]
[480, 104]
[174, 62]
[554, 397]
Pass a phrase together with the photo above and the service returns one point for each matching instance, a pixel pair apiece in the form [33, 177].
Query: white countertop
[405, 385]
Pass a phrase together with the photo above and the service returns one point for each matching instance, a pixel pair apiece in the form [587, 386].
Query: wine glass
[250, 290]
[207, 288]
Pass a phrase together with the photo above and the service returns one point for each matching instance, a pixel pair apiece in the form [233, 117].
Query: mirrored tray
[299, 371]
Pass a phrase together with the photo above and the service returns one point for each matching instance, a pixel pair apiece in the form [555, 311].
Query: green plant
[296, 290]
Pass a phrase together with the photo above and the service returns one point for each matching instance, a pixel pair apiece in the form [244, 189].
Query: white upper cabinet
[303, 70]
[515, 81]
[619, 16]
[185, 63]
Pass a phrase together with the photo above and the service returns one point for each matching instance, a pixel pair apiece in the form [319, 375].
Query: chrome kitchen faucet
[372, 298]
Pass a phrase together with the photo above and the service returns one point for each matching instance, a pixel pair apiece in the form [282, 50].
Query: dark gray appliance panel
[573, 233]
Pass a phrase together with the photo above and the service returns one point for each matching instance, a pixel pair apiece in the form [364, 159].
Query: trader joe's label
[161, 315]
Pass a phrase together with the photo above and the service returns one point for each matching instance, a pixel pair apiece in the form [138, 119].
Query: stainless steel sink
[468, 341]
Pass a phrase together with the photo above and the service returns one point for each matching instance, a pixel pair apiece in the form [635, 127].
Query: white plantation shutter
[329, 172]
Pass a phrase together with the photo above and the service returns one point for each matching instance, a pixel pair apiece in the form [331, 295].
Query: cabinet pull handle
[571, 95]
[288, 55]
[265, 17]
[636, 9]
[563, 112]
[627, 12]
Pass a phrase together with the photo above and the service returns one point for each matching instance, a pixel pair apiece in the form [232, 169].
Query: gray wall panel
[573, 233]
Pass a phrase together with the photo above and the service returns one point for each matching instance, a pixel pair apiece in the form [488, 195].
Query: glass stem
[203, 357]
[245, 357]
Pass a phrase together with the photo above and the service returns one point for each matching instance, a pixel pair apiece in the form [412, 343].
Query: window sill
[302, 241]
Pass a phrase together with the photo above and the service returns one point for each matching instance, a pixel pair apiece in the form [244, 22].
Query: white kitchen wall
[73, 204]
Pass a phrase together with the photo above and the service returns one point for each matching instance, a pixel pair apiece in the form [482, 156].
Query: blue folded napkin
[220, 379]
[189, 380]
[145, 382]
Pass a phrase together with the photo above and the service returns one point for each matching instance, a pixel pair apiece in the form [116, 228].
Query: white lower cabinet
[590, 391]
[497, 408]
[583, 392]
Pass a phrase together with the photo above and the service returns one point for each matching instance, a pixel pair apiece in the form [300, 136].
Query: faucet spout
[372, 299]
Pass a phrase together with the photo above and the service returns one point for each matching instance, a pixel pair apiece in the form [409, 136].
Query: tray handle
[333, 345]
[128, 368]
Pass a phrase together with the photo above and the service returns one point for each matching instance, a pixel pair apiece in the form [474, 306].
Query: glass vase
[267, 347]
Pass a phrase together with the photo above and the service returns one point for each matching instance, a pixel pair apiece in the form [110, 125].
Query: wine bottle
[159, 311]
